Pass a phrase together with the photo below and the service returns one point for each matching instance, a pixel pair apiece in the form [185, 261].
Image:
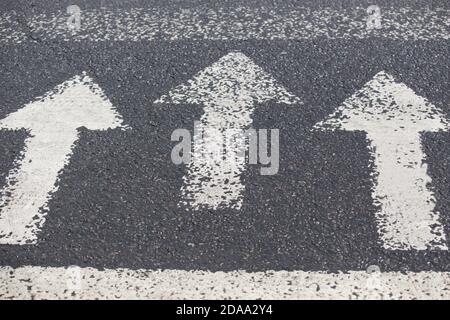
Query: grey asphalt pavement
[116, 205]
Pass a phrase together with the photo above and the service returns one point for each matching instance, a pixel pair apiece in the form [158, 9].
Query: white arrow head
[393, 117]
[233, 78]
[53, 121]
[75, 103]
[384, 104]
[228, 90]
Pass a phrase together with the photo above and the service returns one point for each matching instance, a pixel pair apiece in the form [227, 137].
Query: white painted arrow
[52, 122]
[228, 90]
[393, 117]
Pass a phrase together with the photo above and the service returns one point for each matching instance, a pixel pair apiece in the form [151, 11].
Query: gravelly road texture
[117, 200]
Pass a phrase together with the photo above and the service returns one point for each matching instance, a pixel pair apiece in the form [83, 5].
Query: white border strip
[239, 23]
[31, 282]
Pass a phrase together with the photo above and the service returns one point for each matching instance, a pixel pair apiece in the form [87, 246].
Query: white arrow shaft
[407, 216]
[214, 177]
[28, 187]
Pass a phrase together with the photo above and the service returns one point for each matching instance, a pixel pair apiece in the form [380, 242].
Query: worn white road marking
[52, 122]
[31, 282]
[230, 23]
[394, 117]
[229, 90]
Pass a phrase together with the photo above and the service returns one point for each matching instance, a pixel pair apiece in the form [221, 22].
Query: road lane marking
[30, 282]
[229, 91]
[52, 122]
[394, 117]
[235, 23]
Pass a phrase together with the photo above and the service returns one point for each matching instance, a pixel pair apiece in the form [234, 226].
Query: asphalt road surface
[92, 205]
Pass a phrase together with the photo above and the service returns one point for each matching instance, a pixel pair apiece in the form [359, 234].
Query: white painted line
[394, 117]
[236, 23]
[31, 282]
[229, 90]
[52, 122]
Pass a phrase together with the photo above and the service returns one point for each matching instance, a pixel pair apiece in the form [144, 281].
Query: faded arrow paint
[52, 122]
[394, 117]
[228, 90]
